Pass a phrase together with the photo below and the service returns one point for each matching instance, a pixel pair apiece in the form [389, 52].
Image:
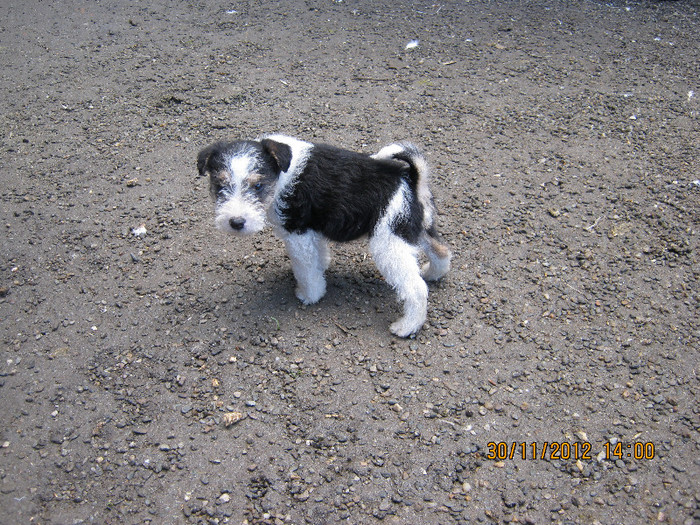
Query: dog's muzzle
[240, 216]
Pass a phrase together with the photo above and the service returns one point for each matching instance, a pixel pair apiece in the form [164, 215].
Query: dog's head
[242, 180]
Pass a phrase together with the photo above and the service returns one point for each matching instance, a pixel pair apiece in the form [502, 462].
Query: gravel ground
[156, 371]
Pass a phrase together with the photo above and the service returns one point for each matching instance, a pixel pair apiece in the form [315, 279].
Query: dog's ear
[203, 159]
[281, 153]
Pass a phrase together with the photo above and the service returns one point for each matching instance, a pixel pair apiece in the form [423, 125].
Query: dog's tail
[408, 153]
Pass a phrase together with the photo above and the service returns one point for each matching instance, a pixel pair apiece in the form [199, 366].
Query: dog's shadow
[354, 298]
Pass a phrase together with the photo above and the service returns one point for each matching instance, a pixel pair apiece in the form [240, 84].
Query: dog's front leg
[310, 257]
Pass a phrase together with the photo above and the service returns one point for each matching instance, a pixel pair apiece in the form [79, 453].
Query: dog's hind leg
[310, 257]
[324, 252]
[438, 257]
[397, 261]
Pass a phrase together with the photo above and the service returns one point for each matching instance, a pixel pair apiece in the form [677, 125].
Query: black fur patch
[343, 194]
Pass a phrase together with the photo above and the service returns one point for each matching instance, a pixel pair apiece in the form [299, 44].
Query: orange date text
[544, 450]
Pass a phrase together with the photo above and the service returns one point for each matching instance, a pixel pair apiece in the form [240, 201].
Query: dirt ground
[156, 371]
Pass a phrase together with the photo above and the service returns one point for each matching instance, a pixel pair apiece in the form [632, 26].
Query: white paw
[428, 273]
[310, 295]
[405, 327]
[435, 271]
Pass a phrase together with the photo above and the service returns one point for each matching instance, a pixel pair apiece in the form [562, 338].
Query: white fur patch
[240, 166]
[388, 152]
[398, 206]
[238, 207]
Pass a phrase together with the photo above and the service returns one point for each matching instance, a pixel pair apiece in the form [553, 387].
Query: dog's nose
[236, 224]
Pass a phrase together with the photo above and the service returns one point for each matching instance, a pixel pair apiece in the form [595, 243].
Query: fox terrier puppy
[314, 193]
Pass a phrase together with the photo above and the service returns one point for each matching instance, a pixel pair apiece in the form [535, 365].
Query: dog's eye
[259, 186]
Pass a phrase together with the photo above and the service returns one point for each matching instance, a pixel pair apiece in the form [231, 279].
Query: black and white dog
[315, 193]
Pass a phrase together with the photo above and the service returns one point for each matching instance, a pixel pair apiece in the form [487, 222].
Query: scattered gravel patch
[155, 371]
